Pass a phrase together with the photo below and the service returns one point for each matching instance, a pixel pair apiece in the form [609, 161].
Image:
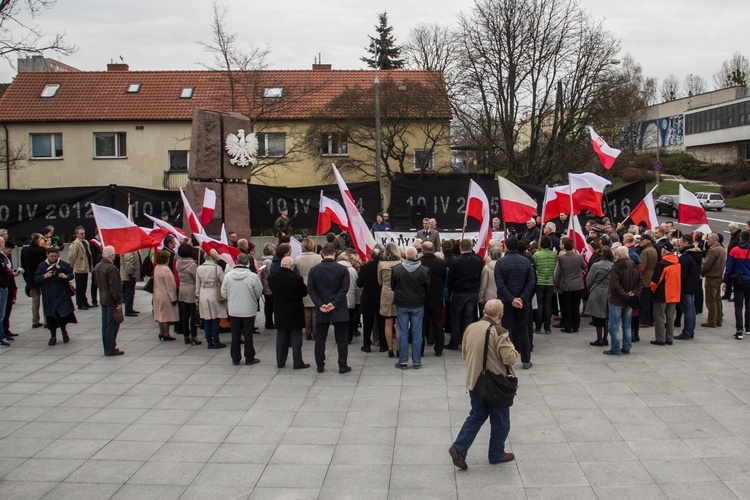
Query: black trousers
[268, 310]
[94, 290]
[340, 333]
[370, 323]
[109, 329]
[188, 318]
[286, 337]
[8, 310]
[516, 321]
[128, 295]
[82, 283]
[242, 326]
[570, 307]
[543, 314]
[353, 321]
[432, 328]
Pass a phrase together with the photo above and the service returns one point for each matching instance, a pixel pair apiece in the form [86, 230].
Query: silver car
[711, 201]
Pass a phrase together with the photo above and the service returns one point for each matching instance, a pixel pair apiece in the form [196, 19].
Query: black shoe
[11, 334]
[383, 349]
[83, 307]
[301, 367]
[52, 341]
[567, 330]
[450, 347]
[65, 337]
[400, 366]
[682, 336]
[625, 351]
[116, 352]
[236, 362]
[364, 348]
[321, 368]
[612, 353]
[669, 342]
[209, 345]
[95, 304]
[458, 459]
[345, 369]
[131, 314]
[416, 367]
[135, 312]
[390, 354]
[439, 354]
[36, 325]
[253, 361]
[655, 342]
[219, 345]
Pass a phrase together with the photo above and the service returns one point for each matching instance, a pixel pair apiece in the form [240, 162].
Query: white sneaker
[739, 335]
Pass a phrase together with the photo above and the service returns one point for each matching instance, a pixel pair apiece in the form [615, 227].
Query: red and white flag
[359, 232]
[223, 238]
[477, 207]
[117, 230]
[607, 154]
[690, 210]
[227, 252]
[575, 233]
[556, 202]
[645, 211]
[209, 206]
[178, 233]
[586, 191]
[193, 221]
[516, 205]
[330, 211]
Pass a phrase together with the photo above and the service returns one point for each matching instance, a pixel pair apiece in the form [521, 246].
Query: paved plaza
[169, 421]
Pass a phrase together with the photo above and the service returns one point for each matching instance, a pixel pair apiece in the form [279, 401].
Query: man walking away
[242, 289]
[625, 284]
[690, 265]
[665, 287]
[409, 282]
[433, 303]
[501, 356]
[464, 279]
[738, 264]
[713, 270]
[108, 282]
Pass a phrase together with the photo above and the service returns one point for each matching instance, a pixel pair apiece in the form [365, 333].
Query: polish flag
[178, 233]
[516, 205]
[227, 252]
[296, 248]
[587, 190]
[645, 211]
[330, 211]
[193, 220]
[690, 210]
[477, 207]
[209, 206]
[607, 154]
[117, 230]
[556, 202]
[575, 233]
[223, 238]
[358, 230]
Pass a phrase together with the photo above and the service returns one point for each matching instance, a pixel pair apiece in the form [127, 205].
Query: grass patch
[741, 202]
[673, 187]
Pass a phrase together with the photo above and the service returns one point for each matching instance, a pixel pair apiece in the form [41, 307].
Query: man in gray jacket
[569, 280]
[242, 289]
[108, 281]
[409, 282]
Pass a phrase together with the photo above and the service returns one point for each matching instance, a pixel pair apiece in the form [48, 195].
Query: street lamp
[378, 174]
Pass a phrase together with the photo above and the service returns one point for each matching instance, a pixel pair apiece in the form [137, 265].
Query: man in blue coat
[327, 285]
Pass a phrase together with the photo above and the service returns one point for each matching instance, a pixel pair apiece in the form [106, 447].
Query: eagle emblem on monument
[242, 148]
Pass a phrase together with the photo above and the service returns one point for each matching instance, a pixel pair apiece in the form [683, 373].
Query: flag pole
[572, 214]
[466, 212]
[541, 230]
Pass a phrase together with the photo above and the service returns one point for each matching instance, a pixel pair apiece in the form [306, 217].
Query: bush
[632, 174]
[736, 189]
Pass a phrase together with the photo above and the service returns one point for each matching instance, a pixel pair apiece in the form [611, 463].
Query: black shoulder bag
[493, 389]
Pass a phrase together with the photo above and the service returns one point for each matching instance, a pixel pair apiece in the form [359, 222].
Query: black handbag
[149, 286]
[493, 389]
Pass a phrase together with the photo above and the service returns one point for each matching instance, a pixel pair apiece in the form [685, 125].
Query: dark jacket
[367, 280]
[515, 277]
[107, 279]
[288, 289]
[529, 236]
[466, 273]
[328, 283]
[623, 279]
[690, 264]
[438, 271]
[31, 257]
[55, 291]
[738, 261]
[734, 240]
[409, 282]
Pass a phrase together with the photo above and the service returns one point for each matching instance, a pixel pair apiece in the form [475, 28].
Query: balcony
[175, 179]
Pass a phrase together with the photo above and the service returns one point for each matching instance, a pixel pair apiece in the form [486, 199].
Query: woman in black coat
[372, 321]
[288, 288]
[53, 277]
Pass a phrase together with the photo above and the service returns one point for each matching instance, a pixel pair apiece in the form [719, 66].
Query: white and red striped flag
[358, 230]
[586, 191]
[227, 252]
[579, 239]
[330, 211]
[645, 211]
[556, 202]
[117, 230]
[478, 207]
[178, 233]
[209, 207]
[516, 205]
[607, 154]
[192, 218]
[690, 211]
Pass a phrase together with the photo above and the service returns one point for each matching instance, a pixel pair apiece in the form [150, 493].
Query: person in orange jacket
[666, 291]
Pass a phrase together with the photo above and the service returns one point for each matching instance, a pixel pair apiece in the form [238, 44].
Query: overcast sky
[665, 36]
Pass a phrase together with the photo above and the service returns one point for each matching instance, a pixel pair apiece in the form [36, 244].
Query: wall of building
[726, 153]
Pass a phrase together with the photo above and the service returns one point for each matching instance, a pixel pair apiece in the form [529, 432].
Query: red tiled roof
[100, 96]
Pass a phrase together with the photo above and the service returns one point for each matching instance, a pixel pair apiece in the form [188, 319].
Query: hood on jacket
[411, 265]
[671, 258]
[238, 273]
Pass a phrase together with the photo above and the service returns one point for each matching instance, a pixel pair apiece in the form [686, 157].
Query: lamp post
[378, 173]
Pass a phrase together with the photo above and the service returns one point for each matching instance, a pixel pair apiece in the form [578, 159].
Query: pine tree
[383, 47]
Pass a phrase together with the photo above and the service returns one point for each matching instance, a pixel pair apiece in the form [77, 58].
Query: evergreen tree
[384, 47]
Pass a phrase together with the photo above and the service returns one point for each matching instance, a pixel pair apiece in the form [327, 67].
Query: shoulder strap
[486, 346]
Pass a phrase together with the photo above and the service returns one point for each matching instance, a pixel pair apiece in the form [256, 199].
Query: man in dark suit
[373, 324]
[327, 284]
[288, 288]
[464, 278]
[433, 304]
[429, 234]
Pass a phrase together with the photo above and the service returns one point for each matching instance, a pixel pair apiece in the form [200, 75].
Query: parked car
[667, 205]
[711, 201]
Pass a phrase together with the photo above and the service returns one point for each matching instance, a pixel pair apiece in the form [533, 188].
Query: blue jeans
[687, 304]
[211, 328]
[3, 300]
[409, 319]
[617, 315]
[499, 428]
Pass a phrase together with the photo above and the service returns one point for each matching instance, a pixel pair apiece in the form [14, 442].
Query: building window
[186, 93]
[110, 145]
[423, 160]
[178, 160]
[334, 145]
[134, 88]
[46, 146]
[272, 144]
[50, 90]
[273, 92]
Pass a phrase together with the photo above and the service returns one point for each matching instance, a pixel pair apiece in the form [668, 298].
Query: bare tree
[695, 84]
[631, 94]
[431, 47]
[733, 72]
[670, 89]
[531, 71]
[19, 38]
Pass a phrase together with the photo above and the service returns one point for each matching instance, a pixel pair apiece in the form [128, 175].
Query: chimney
[118, 67]
[321, 67]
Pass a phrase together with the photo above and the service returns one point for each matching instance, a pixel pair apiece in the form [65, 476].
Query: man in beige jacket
[82, 262]
[713, 270]
[501, 355]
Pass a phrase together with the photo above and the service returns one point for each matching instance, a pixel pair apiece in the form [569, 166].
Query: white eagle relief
[242, 148]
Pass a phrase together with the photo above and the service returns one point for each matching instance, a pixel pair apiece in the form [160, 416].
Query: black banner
[265, 202]
[27, 211]
[445, 200]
